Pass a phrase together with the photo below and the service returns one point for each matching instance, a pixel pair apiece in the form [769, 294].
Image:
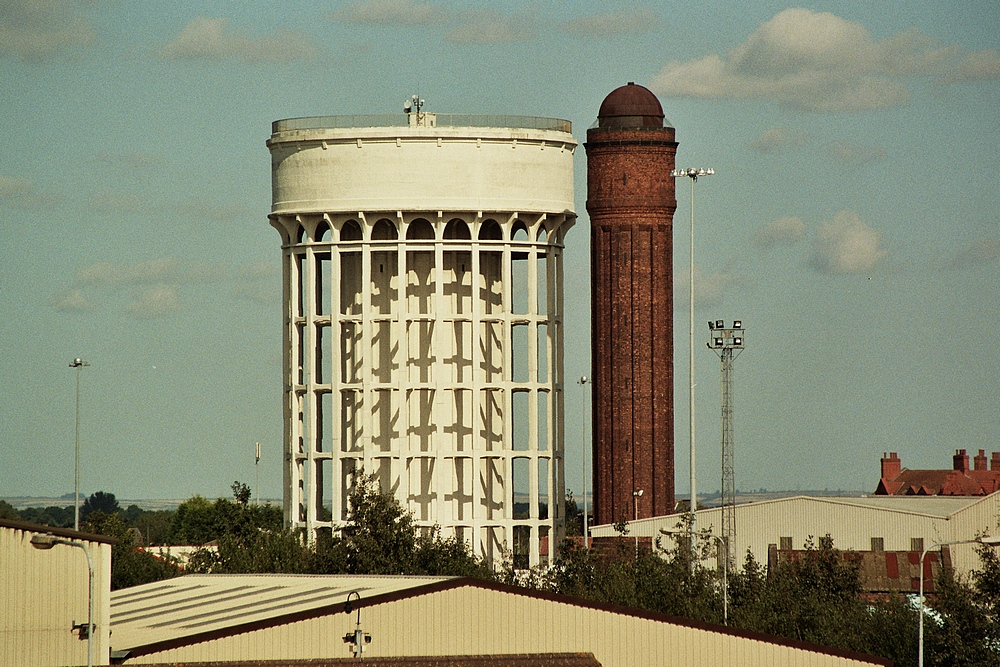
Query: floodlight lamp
[692, 172]
[737, 341]
[718, 342]
[737, 324]
[719, 324]
[637, 493]
[702, 172]
[710, 172]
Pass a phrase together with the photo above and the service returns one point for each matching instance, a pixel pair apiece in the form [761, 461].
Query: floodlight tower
[728, 344]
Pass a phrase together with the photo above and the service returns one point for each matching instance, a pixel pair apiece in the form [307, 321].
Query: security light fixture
[737, 324]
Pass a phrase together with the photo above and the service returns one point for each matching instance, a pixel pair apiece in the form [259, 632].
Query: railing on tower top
[402, 120]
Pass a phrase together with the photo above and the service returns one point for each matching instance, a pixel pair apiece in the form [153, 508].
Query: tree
[130, 565]
[379, 537]
[100, 501]
[8, 512]
[965, 630]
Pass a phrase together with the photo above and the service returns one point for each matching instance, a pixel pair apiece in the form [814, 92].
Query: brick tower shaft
[631, 201]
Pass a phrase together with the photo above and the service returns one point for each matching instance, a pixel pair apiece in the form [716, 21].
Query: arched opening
[419, 230]
[519, 232]
[542, 236]
[490, 230]
[300, 234]
[323, 233]
[384, 230]
[457, 230]
[351, 231]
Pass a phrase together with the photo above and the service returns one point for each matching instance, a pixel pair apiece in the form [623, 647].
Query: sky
[853, 223]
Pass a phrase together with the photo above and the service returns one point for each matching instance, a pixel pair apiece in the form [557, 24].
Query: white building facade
[422, 261]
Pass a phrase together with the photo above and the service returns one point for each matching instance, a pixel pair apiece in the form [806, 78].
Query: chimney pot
[960, 461]
[979, 463]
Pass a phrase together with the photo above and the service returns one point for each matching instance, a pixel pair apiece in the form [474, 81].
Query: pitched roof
[198, 608]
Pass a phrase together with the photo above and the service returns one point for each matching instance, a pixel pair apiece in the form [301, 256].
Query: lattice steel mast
[727, 343]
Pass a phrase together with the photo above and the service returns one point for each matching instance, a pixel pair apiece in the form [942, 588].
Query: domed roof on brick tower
[630, 106]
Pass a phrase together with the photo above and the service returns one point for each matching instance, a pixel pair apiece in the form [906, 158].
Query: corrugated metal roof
[196, 604]
[940, 506]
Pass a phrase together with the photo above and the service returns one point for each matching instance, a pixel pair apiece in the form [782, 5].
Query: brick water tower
[630, 198]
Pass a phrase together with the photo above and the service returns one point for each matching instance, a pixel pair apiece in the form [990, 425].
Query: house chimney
[960, 461]
[979, 462]
[995, 462]
[891, 466]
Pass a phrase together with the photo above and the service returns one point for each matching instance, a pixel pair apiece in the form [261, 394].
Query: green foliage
[966, 628]
[379, 537]
[130, 565]
[8, 512]
[57, 517]
[195, 522]
[100, 501]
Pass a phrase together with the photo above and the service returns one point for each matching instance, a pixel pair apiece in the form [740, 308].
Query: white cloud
[152, 288]
[40, 29]
[141, 273]
[390, 12]
[487, 27]
[613, 23]
[814, 61]
[156, 302]
[205, 38]
[977, 66]
[778, 140]
[785, 231]
[857, 154]
[709, 289]
[845, 244]
[72, 300]
[17, 192]
[980, 251]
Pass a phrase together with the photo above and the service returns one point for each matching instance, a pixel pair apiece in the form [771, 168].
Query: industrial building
[871, 523]
[201, 618]
[631, 202]
[44, 595]
[423, 298]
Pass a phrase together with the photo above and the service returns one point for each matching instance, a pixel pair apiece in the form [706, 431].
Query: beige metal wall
[851, 525]
[42, 593]
[473, 621]
[980, 518]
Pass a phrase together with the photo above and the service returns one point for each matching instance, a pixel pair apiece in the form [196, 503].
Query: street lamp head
[43, 541]
[637, 493]
[78, 363]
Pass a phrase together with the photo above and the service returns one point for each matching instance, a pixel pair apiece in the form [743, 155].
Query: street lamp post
[46, 542]
[77, 363]
[635, 502]
[693, 174]
[725, 567]
[583, 381]
[988, 541]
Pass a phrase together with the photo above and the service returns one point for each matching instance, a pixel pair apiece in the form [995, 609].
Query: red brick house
[961, 480]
